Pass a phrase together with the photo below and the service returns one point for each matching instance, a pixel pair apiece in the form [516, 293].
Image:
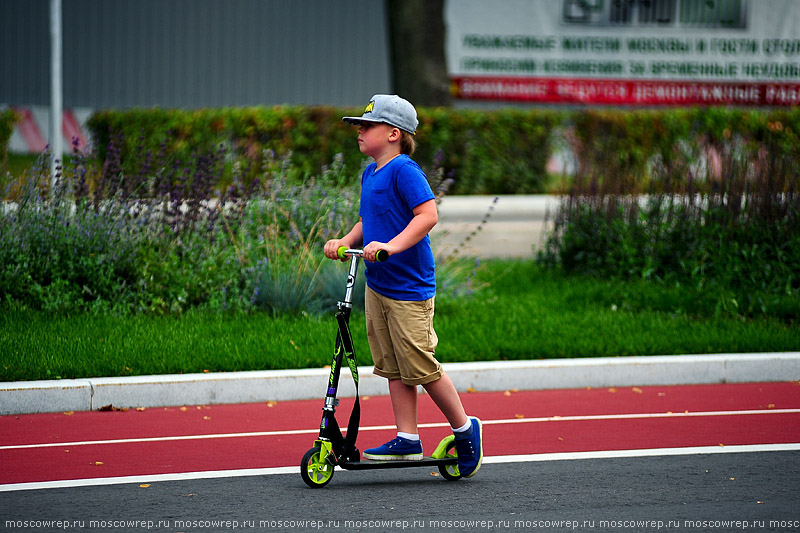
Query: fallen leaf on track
[110, 408]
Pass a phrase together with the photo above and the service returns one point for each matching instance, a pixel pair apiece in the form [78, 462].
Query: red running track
[154, 441]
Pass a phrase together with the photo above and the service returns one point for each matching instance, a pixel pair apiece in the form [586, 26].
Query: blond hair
[408, 143]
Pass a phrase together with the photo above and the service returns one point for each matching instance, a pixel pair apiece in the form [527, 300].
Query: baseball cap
[388, 108]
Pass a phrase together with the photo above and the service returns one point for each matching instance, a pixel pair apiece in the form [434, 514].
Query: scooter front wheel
[315, 469]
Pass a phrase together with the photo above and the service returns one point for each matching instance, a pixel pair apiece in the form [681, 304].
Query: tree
[419, 68]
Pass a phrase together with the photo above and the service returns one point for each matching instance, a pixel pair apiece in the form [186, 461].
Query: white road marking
[652, 452]
[251, 434]
[539, 457]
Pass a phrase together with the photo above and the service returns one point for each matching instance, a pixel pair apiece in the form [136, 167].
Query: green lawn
[519, 311]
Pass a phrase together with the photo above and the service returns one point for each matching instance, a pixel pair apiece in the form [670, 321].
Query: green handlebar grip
[380, 257]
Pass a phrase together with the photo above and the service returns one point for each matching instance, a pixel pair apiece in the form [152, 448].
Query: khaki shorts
[402, 339]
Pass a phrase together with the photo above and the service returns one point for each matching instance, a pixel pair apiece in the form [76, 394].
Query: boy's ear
[395, 134]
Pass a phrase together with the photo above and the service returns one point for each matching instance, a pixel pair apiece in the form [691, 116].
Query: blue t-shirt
[388, 199]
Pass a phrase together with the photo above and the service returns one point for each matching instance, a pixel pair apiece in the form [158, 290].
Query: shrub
[165, 239]
[733, 230]
[60, 254]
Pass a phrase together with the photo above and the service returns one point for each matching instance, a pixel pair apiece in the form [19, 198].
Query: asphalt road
[720, 492]
[492, 226]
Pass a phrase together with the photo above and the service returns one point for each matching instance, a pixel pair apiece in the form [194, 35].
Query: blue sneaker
[399, 449]
[470, 449]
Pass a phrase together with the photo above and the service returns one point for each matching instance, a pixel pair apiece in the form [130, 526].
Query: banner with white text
[625, 52]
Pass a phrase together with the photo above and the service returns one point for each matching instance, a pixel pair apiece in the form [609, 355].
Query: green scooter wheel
[450, 472]
[315, 469]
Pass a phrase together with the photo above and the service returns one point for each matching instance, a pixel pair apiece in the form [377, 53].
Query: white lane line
[154, 478]
[652, 452]
[161, 439]
[378, 428]
[538, 457]
[668, 414]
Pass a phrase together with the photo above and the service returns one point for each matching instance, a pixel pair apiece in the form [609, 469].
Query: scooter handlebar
[344, 251]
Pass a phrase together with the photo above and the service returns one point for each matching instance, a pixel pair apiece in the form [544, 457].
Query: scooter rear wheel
[315, 470]
[450, 472]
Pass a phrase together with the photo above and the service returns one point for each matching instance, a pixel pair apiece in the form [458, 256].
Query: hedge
[484, 152]
[8, 118]
[620, 151]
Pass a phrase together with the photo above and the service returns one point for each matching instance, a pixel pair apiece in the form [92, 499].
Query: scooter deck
[370, 464]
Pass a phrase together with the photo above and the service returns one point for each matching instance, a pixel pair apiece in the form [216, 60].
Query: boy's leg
[444, 395]
[404, 405]
[468, 431]
[404, 397]
[406, 445]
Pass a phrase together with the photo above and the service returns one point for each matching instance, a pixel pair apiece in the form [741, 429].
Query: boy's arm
[425, 218]
[351, 240]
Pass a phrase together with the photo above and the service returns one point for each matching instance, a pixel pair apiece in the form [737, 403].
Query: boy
[398, 209]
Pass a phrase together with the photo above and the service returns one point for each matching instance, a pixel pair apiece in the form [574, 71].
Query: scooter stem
[351, 283]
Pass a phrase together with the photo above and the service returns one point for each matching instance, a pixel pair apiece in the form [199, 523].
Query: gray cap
[388, 108]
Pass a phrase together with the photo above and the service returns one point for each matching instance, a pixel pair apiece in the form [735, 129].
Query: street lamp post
[56, 103]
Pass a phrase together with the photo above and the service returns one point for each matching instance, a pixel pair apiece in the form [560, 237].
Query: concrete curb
[283, 385]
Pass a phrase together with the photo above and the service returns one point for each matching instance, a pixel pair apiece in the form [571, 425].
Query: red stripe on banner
[30, 131]
[626, 92]
[72, 129]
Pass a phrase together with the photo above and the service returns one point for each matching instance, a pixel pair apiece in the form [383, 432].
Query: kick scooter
[331, 449]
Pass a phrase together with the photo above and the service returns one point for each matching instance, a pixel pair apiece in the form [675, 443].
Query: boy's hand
[331, 249]
[371, 250]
